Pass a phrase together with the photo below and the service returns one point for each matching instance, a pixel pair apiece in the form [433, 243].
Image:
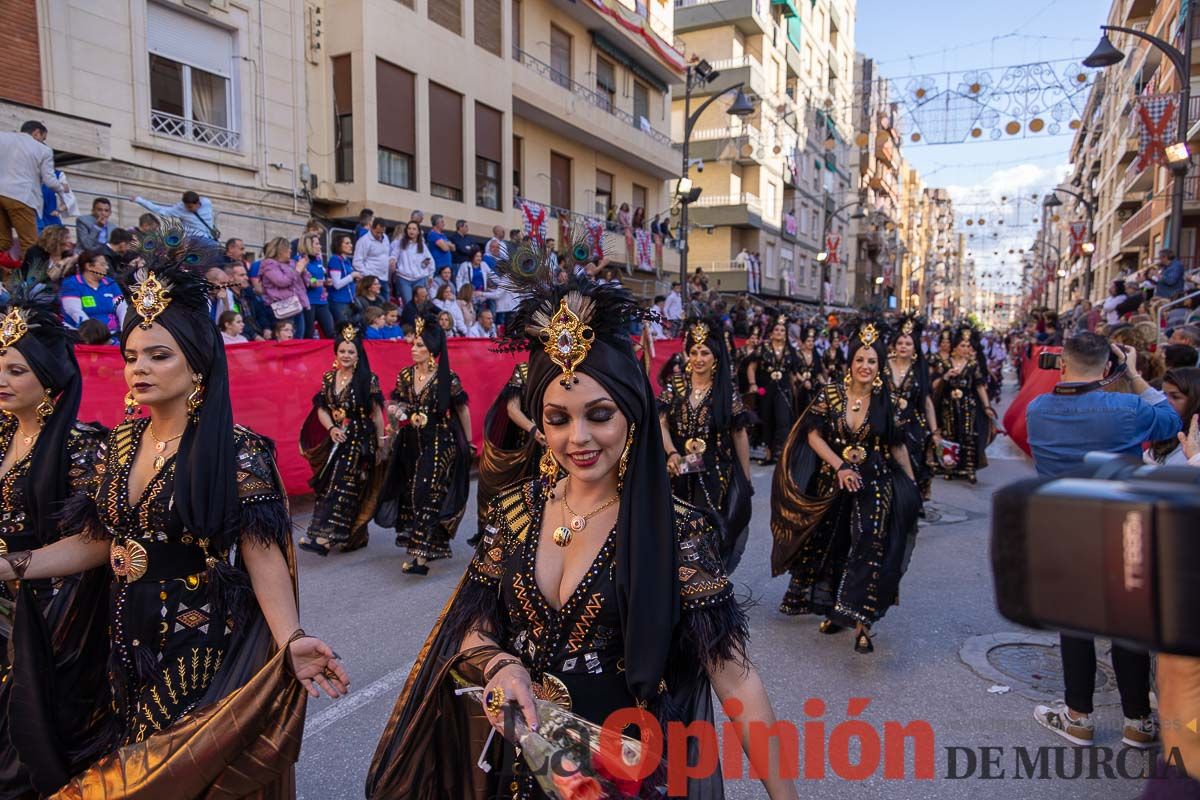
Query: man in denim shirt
[1078, 418]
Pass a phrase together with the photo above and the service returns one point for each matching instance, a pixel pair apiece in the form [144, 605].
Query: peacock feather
[170, 246]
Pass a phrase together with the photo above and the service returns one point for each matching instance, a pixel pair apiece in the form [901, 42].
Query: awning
[73, 138]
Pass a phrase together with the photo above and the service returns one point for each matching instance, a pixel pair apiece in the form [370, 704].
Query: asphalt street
[943, 656]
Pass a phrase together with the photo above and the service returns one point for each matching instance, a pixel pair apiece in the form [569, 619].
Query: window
[395, 104]
[606, 82]
[517, 162]
[447, 13]
[641, 105]
[489, 124]
[639, 198]
[343, 120]
[191, 65]
[488, 26]
[604, 193]
[446, 138]
[560, 56]
[516, 27]
[560, 181]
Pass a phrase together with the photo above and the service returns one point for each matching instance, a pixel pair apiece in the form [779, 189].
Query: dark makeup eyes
[597, 414]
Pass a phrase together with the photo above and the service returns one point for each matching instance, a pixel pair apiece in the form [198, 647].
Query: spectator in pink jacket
[283, 284]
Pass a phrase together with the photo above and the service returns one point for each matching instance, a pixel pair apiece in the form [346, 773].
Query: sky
[921, 37]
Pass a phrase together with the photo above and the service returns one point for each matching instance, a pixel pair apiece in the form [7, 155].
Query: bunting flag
[644, 250]
[832, 242]
[628, 19]
[1078, 237]
[533, 218]
[1156, 115]
[594, 231]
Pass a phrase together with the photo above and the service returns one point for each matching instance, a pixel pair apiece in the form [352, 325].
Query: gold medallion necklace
[160, 445]
[572, 522]
[27, 438]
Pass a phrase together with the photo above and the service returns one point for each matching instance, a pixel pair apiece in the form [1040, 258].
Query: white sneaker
[1140, 733]
[1057, 718]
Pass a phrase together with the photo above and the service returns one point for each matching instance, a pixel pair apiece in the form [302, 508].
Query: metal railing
[744, 199]
[597, 99]
[165, 124]
[1158, 315]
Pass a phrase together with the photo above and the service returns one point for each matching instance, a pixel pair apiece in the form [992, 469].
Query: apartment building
[156, 97]
[482, 109]
[771, 180]
[1132, 199]
[912, 222]
[878, 167]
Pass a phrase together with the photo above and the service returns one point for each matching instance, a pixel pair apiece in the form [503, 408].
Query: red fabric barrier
[1036, 381]
[273, 383]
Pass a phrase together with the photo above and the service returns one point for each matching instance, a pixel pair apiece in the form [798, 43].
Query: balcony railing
[615, 244]
[165, 124]
[1132, 173]
[597, 99]
[1142, 219]
[744, 199]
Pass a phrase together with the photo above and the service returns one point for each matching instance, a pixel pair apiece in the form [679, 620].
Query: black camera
[1111, 550]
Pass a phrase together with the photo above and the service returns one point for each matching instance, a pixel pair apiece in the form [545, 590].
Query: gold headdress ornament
[699, 333]
[12, 328]
[566, 340]
[150, 298]
[782, 319]
[966, 336]
[907, 328]
[869, 334]
[349, 333]
[419, 326]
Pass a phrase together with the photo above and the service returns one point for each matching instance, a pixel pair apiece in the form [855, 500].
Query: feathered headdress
[170, 247]
[531, 263]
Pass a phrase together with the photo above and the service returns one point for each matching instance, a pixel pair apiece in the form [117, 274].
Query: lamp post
[1062, 273]
[1057, 263]
[701, 73]
[1089, 209]
[823, 255]
[1106, 55]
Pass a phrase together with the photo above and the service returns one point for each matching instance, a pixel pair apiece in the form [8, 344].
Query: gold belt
[855, 454]
[128, 559]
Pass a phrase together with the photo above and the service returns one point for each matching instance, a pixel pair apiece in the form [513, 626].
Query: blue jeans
[340, 311]
[324, 318]
[407, 286]
[297, 324]
[385, 289]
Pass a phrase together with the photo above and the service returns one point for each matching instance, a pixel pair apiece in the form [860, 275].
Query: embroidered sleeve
[265, 519]
[84, 512]
[713, 625]
[458, 395]
[400, 392]
[376, 392]
[85, 448]
[321, 398]
[667, 398]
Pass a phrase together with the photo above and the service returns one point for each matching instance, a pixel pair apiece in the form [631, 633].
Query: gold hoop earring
[196, 398]
[335, 364]
[847, 378]
[44, 409]
[876, 385]
[688, 368]
[131, 406]
[548, 467]
[624, 463]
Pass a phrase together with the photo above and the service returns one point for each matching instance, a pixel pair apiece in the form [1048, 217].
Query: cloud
[1021, 179]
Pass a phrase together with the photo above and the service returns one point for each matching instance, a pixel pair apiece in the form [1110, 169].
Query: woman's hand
[849, 480]
[315, 665]
[1190, 441]
[673, 462]
[337, 434]
[513, 680]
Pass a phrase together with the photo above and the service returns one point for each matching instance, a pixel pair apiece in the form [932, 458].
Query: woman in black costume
[704, 430]
[587, 587]
[776, 366]
[425, 491]
[811, 375]
[907, 378]
[843, 503]
[47, 457]
[344, 440]
[191, 519]
[965, 414]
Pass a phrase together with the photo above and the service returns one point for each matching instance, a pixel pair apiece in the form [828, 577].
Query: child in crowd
[377, 327]
[391, 322]
[231, 325]
[284, 331]
[93, 331]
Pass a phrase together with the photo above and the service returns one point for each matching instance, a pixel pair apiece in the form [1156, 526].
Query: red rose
[577, 786]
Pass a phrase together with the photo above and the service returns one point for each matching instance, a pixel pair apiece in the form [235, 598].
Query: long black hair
[710, 333]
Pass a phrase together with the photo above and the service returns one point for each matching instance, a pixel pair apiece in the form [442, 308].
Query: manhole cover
[1039, 666]
[941, 514]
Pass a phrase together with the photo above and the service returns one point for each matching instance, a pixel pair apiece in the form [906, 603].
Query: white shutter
[188, 40]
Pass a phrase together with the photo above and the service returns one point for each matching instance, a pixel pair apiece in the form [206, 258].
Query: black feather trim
[265, 521]
[80, 514]
[476, 608]
[614, 308]
[715, 634]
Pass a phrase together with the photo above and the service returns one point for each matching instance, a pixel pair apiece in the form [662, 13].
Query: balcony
[744, 69]
[634, 32]
[1136, 229]
[550, 98]
[885, 151]
[724, 276]
[164, 124]
[1136, 9]
[736, 210]
[1138, 179]
[751, 17]
[743, 145]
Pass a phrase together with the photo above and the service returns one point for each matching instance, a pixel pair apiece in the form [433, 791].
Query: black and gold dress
[722, 487]
[510, 453]
[963, 419]
[16, 533]
[846, 551]
[908, 403]
[810, 372]
[426, 488]
[778, 407]
[346, 477]
[433, 740]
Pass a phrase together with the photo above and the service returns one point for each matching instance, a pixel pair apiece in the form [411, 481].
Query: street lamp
[1062, 273]
[823, 256]
[1106, 55]
[701, 73]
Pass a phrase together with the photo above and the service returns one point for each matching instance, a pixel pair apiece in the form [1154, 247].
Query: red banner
[1034, 382]
[832, 243]
[1078, 236]
[272, 385]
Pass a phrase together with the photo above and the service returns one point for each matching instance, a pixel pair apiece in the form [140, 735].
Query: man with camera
[1077, 418]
